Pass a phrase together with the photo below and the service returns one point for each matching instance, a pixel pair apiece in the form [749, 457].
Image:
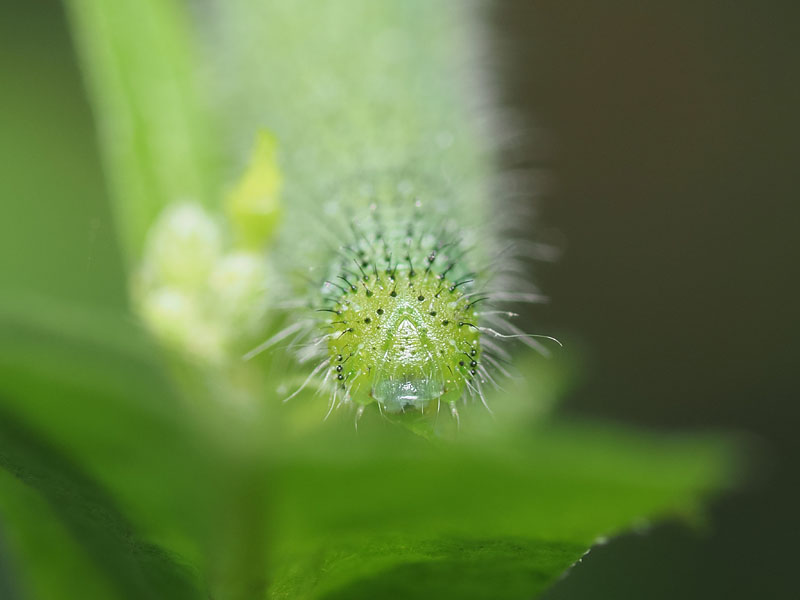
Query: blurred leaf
[46, 561]
[380, 513]
[56, 235]
[9, 587]
[156, 141]
[388, 515]
[135, 569]
[171, 483]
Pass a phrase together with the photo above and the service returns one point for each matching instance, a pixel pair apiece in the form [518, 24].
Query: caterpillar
[399, 324]
[393, 249]
[390, 218]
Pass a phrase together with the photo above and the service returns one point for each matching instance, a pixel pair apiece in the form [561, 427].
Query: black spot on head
[461, 363]
[420, 297]
[393, 294]
[379, 311]
[432, 313]
[445, 322]
[367, 320]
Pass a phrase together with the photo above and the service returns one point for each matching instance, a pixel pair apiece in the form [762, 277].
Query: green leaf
[45, 560]
[158, 146]
[389, 516]
[172, 484]
[186, 470]
[132, 567]
[340, 514]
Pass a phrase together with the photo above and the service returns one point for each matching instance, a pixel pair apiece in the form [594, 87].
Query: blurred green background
[670, 132]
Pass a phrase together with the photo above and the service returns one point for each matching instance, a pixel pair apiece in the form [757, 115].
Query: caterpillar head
[404, 340]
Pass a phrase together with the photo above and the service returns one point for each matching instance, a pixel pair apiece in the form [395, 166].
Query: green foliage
[129, 473]
[156, 498]
[158, 143]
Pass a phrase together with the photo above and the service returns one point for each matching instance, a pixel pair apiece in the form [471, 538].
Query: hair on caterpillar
[391, 250]
[400, 242]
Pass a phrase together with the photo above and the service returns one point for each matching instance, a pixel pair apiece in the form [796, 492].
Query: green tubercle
[403, 339]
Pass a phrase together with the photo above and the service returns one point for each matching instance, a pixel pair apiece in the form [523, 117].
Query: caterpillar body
[392, 244]
[400, 325]
[390, 226]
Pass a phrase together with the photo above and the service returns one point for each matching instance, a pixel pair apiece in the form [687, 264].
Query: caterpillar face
[403, 339]
[401, 332]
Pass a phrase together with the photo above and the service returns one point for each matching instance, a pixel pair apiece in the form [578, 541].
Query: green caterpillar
[389, 218]
[393, 249]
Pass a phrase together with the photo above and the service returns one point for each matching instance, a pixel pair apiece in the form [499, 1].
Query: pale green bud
[254, 205]
[182, 247]
[178, 320]
[238, 287]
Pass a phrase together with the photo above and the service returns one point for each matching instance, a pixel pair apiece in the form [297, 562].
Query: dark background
[673, 141]
[671, 132]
